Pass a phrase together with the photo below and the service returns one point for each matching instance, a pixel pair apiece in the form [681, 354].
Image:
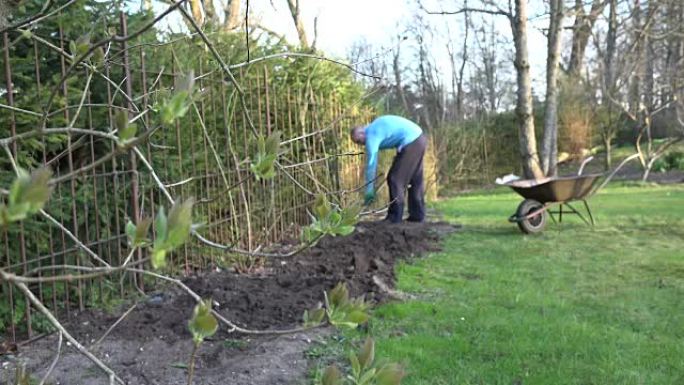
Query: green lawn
[570, 306]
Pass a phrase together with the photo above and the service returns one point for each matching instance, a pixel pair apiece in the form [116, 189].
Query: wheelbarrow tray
[556, 189]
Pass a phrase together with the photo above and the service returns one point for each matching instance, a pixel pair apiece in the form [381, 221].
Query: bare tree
[648, 89]
[197, 11]
[524, 109]
[517, 17]
[397, 69]
[295, 12]
[488, 86]
[231, 15]
[549, 149]
[609, 127]
[458, 70]
[581, 32]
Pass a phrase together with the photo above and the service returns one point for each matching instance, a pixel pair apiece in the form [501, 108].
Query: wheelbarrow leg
[553, 218]
[580, 214]
[591, 217]
[560, 214]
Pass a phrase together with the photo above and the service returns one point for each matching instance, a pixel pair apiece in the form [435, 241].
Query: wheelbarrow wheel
[533, 224]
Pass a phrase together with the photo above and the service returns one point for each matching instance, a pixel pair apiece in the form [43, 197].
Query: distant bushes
[672, 161]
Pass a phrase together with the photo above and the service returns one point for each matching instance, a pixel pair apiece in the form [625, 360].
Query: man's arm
[372, 148]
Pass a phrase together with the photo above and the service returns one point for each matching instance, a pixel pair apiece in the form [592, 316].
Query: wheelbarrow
[543, 195]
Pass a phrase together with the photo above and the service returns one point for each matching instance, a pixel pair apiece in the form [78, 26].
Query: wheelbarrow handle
[584, 163]
[612, 173]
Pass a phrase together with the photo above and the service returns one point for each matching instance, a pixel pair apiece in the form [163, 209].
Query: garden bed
[152, 344]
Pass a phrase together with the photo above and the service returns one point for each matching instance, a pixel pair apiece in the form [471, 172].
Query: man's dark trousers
[407, 169]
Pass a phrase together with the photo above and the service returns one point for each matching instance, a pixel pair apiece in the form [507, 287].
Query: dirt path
[152, 344]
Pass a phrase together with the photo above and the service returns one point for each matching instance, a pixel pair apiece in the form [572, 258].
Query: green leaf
[335, 218]
[130, 232]
[203, 324]
[28, 194]
[4, 215]
[137, 234]
[158, 258]
[175, 108]
[121, 120]
[308, 234]
[339, 295]
[331, 376]
[367, 353]
[272, 143]
[141, 231]
[317, 315]
[82, 49]
[128, 132]
[161, 225]
[358, 317]
[82, 44]
[38, 190]
[321, 206]
[263, 162]
[350, 215]
[367, 377]
[355, 365]
[18, 186]
[345, 230]
[179, 223]
[313, 317]
[98, 56]
[390, 374]
[72, 48]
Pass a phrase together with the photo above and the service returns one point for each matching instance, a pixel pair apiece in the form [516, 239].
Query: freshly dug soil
[152, 343]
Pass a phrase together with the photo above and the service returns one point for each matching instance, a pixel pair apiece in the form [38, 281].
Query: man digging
[407, 168]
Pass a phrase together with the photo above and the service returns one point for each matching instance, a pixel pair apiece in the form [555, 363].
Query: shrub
[672, 161]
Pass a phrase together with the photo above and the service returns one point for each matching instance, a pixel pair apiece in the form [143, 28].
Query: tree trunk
[196, 9]
[524, 109]
[611, 44]
[299, 24]
[397, 79]
[461, 71]
[635, 79]
[607, 142]
[231, 13]
[454, 78]
[550, 140]
[608, 129]
[210, 11]
[584, 23]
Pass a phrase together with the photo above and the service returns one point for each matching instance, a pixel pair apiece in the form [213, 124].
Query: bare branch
[39, 305]
[54, 362]
[41, 15]
[305, 55]
[114, 325]
[490, 11]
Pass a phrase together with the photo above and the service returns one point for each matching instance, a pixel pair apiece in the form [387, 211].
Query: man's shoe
[391, 220]
[415, 220]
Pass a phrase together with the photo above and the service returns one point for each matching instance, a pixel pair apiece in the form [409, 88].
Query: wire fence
[204, 155]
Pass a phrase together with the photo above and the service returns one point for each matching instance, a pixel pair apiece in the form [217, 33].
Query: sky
[343, 22]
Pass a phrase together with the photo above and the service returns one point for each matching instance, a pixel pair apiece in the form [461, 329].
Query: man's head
[358, 135]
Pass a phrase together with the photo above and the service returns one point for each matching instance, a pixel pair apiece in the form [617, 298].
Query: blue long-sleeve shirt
[386, 132]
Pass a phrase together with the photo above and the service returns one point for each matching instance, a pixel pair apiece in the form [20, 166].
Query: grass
[570, 306]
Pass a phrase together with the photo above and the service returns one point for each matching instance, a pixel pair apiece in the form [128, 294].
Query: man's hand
[369, 198]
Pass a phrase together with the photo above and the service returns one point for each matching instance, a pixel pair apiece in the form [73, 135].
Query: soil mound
[154, 335]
